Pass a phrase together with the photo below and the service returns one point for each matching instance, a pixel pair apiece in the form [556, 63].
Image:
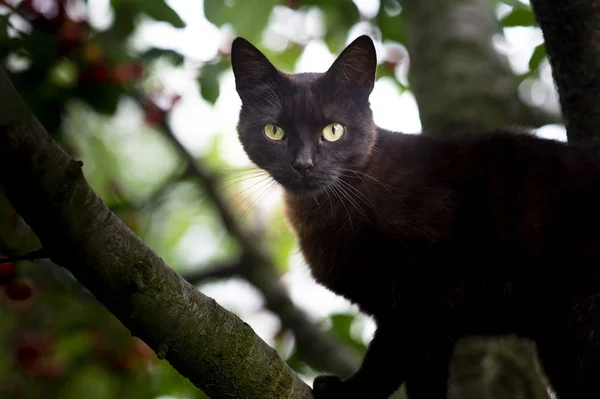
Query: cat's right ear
[355, 67]
[250, 66]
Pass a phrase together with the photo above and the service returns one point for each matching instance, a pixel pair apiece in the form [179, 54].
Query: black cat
[436, 237]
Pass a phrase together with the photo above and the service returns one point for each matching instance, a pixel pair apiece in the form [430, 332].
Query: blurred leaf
[125, 13]
[155, 52]
[285, 60]
[341, 324]
[42, 48]
[91, 382]
[160, 11]
[104, 99]
[282, 239]
[170, 382]
[247, 17]
[519, 16]
[339, 17]
[64, 73]
[4, 26]
[72, 346]
[295, 362]
[209, 79]
[390, 21]
[538, 55]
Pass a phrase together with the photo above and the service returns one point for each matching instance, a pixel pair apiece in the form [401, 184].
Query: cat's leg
[428, 375]
[381, 373]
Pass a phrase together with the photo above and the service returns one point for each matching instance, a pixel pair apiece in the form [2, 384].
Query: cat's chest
[345, 253]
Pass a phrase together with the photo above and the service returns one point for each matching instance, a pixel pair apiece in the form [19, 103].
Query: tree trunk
[460, 82]
[499, 368]
[571, 31]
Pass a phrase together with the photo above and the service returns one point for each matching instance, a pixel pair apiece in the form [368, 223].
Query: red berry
[30, 347]
[127, 71]
[19, 289]
[70, 35]
[97, 74]
[154, 115]
[48, 368]
[7, 272]
[28, 354]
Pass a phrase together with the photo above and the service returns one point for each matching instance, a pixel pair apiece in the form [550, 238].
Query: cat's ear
[355, 67]
[250, 66]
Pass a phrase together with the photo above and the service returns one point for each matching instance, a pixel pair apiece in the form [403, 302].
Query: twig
[40, 253]
[213, 272]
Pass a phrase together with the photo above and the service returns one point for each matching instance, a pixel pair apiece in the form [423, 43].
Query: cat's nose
[303, 164]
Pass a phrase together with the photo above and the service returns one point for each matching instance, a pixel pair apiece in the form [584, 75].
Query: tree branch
[33, 255]
[319, 349]
[571, 31]
[209, 345]
[203, 274]
[458, 79]
[500, 368]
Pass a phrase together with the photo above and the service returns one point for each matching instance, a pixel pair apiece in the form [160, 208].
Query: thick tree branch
[217, 271]
[211, 346]
[319, 349]
[571, 31]
[458, 79]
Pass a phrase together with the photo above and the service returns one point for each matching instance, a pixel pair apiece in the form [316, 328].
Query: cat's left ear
[355, 67]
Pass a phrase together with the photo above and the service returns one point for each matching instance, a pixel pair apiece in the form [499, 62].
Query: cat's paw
[328, 387]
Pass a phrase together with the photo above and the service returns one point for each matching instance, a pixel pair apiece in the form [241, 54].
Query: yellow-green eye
[274, 132]
[333, 132]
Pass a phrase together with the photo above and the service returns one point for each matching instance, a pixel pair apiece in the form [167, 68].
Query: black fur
[435, 237]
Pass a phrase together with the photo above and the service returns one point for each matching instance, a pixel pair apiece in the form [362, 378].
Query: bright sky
[196, 122]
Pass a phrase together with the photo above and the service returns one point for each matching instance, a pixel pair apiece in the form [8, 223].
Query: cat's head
[307, 129]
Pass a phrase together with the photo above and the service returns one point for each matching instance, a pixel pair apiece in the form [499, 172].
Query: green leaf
[341, 324]
[125, 16]
[285, 60]
[155, 53]
[64, 73]
[104, 99]
[538, 55]
[72, 346]
[90, 382]
[339, 17]
[519, 16]
[160, 11]
[247, 17]
[7, 44]
[209, 79]
[390, 21]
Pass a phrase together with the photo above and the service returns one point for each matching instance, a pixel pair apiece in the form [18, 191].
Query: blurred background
[142, 91]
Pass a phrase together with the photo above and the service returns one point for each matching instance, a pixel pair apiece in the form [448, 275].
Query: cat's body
[436, 237]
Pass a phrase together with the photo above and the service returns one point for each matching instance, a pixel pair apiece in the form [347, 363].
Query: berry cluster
[15, 288]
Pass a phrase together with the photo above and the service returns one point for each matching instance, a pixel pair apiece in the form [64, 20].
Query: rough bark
[499, 368]
[571, 31]
[209, 345]
[458, 79]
